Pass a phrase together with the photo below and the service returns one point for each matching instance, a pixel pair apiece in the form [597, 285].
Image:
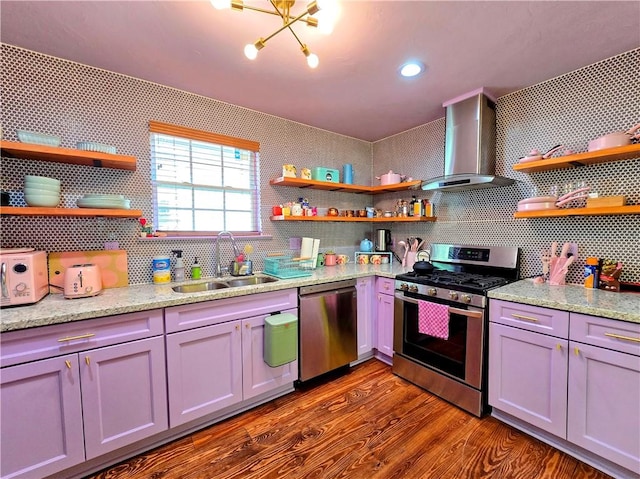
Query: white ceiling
[356, 91]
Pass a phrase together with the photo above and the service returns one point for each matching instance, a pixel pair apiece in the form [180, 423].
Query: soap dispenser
[196, 271]
[178, 269]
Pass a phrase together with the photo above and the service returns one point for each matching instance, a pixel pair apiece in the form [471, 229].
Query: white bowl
[42, 186]
[28, 190]
[41, 180]
[38, 138]
[42, 200]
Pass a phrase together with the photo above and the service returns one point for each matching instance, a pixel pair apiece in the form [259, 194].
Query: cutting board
[113, 266]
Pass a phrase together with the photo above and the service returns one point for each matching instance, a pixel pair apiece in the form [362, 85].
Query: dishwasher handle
[330, 288]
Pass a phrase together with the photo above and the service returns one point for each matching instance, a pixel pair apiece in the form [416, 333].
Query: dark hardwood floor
[365, 424]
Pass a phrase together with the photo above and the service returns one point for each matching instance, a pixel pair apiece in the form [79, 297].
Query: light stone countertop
[575, 298]
[55, 309]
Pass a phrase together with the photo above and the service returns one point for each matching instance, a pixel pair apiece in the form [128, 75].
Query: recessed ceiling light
[411, 69]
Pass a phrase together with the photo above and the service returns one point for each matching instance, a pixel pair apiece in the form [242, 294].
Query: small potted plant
[330, 258]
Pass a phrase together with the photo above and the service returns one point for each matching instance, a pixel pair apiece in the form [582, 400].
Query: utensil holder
[241, 268]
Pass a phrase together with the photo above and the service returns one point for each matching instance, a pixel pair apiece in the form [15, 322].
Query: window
[203, 183]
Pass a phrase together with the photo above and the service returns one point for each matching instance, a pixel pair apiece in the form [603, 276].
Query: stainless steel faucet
[219, 269]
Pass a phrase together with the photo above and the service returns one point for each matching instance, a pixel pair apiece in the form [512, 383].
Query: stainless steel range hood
[470, 146]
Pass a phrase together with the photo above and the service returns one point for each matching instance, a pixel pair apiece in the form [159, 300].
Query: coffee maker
[383, 240]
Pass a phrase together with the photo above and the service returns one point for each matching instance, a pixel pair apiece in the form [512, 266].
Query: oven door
[460, 356]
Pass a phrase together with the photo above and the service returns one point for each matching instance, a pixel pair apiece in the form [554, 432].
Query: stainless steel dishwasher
[327, 327]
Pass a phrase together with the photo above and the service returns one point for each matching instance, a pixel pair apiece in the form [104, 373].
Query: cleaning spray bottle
[178, 269]
[196, 271]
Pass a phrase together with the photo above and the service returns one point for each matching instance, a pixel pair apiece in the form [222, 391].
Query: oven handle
[462, 312]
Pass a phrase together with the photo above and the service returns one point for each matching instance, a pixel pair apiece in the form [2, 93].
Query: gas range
[462, 274]
[450, 364]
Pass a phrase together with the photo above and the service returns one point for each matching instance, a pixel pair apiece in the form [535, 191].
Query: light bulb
[312, 60]
[250, 51]
[327, 16]
[221, 4]
[411, 69]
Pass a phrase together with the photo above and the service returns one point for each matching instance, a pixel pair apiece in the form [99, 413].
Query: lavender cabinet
[528, 376]
[257, 376]
[204, 371]
[215, 354]
[41, 418]
[572, 375]
[76, 391]
[365, 289]
[604, 389]
[384, 314]
[124, 394]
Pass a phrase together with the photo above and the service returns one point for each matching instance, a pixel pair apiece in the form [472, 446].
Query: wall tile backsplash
[78, 102]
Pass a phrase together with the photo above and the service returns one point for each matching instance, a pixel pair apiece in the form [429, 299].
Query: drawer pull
[576, 351]
[527, 318]
[626, 338]
[559, 347]
[73, 338]
[87, 360]
[68, 363]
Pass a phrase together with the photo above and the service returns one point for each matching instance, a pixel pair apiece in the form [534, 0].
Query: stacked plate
[93, 146]
[104, 201]
[538, 203]
[41, 191]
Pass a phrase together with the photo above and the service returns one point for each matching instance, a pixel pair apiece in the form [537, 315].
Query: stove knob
[466, 298]
[413, 288]
[404, 286]
[432, 291]
[453, 295]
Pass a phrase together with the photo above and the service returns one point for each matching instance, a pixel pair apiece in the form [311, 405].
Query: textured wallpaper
[78, 102]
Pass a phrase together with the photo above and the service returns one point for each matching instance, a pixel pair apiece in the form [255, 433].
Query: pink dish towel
[433, 319]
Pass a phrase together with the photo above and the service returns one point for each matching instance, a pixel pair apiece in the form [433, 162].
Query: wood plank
[73, 212]
[365, 424]
[619, 153]
[343, 187]
[29, 151]
[356, 219]
[598, 211]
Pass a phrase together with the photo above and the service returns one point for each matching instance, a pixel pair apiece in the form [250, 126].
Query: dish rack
[285, 267]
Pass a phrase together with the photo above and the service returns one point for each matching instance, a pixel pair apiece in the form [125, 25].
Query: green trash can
[280, 339]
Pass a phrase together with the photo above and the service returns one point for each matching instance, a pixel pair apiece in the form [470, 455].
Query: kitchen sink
[250, 280]
[223, 283]
[198, 287]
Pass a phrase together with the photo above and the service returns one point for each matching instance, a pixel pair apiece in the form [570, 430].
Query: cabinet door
[204, 371]
[528, 376]
[41, 418]
[257, 376]
[365, 289]
[124, 394]
[604, 403]
[385, 324]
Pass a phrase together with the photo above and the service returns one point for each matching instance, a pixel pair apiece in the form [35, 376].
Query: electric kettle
[383, 240]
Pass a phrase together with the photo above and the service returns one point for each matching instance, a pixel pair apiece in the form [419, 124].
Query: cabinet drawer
[385, 285]
[620, 336]
[189, 316]
[532, 318]
[49, 341]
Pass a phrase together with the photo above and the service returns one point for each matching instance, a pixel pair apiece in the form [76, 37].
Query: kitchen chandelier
[318, 13]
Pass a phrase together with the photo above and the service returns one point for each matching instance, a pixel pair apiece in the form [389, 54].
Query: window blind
[203, 182]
